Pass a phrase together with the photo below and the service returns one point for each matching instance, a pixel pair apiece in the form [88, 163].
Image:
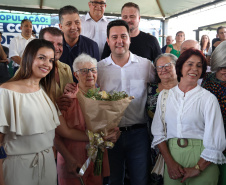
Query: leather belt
[133, 127]
[185, 142]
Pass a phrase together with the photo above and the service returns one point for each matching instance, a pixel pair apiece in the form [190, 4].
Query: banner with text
[10, 24]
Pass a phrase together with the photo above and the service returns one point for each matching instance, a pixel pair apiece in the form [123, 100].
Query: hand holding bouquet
[102, 112]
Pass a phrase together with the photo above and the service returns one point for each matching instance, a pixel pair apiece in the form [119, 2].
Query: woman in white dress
[195, 136]
[28, 119]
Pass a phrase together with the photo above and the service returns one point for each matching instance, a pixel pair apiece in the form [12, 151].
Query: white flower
[104, 95]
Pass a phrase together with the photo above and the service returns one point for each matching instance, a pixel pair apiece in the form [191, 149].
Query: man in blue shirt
[74, 43]
[169, 40]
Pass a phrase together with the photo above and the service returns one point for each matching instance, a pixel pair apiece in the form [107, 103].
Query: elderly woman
[175, 48]
[216, 83]
[166, 78]
[195, 132]
[28, 119]
[74, 153]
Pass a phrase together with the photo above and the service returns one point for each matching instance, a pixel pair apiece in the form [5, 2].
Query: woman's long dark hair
[25, 71]
[208, 44]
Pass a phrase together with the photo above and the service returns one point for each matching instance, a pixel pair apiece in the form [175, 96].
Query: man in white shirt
[125, 71]
[94, 23]
[18, 44]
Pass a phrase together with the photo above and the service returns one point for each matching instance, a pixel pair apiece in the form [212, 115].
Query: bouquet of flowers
[102, 112]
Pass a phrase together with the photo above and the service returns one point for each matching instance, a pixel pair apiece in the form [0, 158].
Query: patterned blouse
[153, 93]
[218, 88]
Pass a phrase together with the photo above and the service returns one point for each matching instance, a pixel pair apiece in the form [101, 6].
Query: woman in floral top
[166, 78]
[216, 83]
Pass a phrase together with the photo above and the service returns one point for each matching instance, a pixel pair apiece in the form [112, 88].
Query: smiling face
[43, 63]
[57, 42]
[192, 70]
[71, 26]
[119, 40]
[97, 10]
[86, 81]
[166, 72]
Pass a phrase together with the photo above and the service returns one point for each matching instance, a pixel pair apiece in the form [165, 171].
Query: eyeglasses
[85, 71]
[96, 3]
[166, 66]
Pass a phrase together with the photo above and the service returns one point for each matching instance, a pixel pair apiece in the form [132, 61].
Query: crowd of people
[42, 127]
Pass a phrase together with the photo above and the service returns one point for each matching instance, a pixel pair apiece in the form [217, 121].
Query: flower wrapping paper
[102, 116]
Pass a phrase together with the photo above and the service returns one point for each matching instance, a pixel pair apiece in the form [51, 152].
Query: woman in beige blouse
[28, 119]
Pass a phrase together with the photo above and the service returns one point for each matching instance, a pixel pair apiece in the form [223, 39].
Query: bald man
[169, 40]
[187, 44]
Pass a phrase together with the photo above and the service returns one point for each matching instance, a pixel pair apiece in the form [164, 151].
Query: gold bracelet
[197, 167]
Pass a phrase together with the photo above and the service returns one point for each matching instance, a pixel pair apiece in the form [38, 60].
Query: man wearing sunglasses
[94, 23]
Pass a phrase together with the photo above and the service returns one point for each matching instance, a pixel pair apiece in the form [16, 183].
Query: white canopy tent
[151, 9]
[158, 9]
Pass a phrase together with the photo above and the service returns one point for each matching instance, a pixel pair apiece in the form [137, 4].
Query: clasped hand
[113, 135]
[176, 171]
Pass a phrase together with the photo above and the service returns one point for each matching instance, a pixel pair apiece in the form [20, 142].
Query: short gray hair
[172, 57]
[173, 60]
[218, 57]
[81, 59]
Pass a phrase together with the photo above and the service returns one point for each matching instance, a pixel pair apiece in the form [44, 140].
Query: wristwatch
[197, 167]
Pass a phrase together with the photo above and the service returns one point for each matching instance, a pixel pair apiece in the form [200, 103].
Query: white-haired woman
[73, 152]
[166, 78]
[216, 83]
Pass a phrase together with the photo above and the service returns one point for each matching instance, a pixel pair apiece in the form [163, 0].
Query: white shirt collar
[87, 17]
[197, 88]
[21, 37]
[132, 59]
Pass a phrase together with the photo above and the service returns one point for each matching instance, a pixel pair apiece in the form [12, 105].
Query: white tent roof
[149, 8]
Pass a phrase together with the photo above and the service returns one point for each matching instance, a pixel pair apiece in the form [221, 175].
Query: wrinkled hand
[70, 87]
[190, 172]
[113, 135]
[175, 170]
[64, 102]
[71, 167]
